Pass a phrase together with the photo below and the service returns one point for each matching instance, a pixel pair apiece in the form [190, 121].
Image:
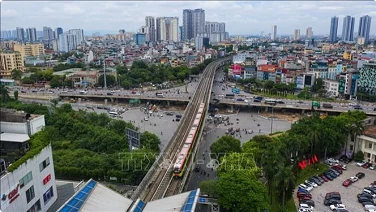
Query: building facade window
[44, 164]
[36, 207]
[26, 179]
[351, 147]
[48, 195]
[368, 155]
[370, 145]
[30, 194]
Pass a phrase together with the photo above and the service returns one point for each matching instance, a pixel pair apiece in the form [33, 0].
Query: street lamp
[271, 123]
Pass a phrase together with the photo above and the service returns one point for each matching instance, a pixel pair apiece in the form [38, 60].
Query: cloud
[48, 10]
[240, 17]
[9, 13]
[73, 9]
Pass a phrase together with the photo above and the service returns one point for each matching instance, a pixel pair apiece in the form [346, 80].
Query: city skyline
[241, 18]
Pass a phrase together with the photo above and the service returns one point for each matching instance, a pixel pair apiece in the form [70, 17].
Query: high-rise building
[31, 34]
[58, 32]
[180, 33]
[274, 33]
[348, 29]
[150, 23]
[215, 31]
[71, 39]
[28, 49]
[140, 38]
[296, 34]
[121, 31]
[309, 33]
[364, 28]
[10, 61]
[333, 29]
[193, 23]
[201, 42]
[48, 33]
[20, 34]
[168, 29]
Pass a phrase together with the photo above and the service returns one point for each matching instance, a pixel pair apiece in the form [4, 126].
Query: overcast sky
[241, 18]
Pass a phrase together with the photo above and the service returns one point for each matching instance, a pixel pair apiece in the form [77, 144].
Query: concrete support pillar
[79, 101]
[232, 108]
[303, 111]
[105, 101]
[168, 103]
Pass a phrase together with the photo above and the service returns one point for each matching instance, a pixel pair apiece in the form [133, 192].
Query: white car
[305, 210]
[353, 179]
[312, 184]
[360, 163]
[337, 206]
[307, 188]
[146, 119]
[331, 161]
[370, 208]
[305, 206]
[352, 104]
[369, 192]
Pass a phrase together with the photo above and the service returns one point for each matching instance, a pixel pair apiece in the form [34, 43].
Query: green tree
[359, 156]
[209, 187]
[15, 93]
[240, 191]
[16, 74]
[285, 181]
[4, 93]
[224, 145]
[110, 80]
[150, 141]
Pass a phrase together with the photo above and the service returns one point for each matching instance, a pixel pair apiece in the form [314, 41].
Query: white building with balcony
[31, 186]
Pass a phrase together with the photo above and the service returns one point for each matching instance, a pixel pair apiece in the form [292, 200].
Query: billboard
[341, 86]
[300, 82]
[133, 137]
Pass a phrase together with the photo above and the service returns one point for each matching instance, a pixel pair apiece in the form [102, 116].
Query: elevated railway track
[160, 182]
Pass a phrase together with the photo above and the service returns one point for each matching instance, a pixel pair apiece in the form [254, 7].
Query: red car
[324, 178]
[305, 198]
[366, 165]
[347, 182]
[338, 167]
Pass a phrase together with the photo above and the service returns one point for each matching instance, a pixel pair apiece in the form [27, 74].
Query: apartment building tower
[348, 29]
[274, 33]
[71, 39]
[150, 24]
[296, 34]
[193, 23]
[364, 28]
[31, 34]
[29, 49]
[168, 29]
[309, 33]
[333, 29]
[20, 34]
[10, 60]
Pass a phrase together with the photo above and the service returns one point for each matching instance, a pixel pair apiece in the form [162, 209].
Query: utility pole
[104, 74]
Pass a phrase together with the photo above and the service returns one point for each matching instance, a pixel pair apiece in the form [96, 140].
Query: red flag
[304, 163]
[300, 165]
[315, 157]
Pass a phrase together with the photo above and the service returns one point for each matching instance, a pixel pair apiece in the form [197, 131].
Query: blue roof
[76, 202]
[140, 206]
[188, 205]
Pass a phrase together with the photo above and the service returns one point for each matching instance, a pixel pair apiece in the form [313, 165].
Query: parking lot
[348, 194]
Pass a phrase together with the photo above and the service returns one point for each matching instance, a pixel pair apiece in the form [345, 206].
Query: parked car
[331, 161]
[361, 163]
[331, 195]
[366, 165]
[328, 202]
[366, 195]
[305, 206]
[312, 184]
[372, 167]
[354, 179]
[308, 202]
[363, 199]
[305, 198]
[347, 182]
[337, 206]
[360, 175]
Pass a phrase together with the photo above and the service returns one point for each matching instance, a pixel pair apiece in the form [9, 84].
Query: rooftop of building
[94, 196]
[370, 131]
[14, 137]
[11, 115]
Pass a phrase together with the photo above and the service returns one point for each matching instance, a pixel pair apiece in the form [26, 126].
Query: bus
[230, 96]
[83, 92]
[235, 90]
[271, 101]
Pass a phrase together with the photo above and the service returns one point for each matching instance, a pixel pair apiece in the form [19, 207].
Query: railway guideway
[159, 181]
